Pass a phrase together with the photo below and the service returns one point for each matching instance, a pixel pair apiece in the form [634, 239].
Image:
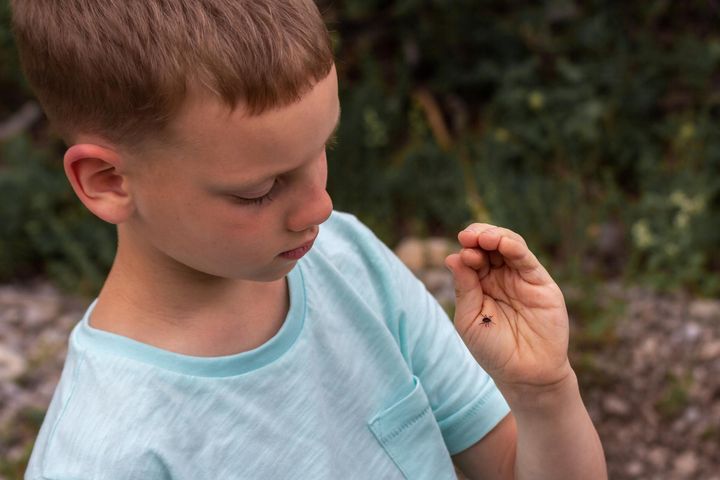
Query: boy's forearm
[556, 438]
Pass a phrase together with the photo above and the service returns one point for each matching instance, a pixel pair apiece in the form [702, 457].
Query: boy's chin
[271, 275]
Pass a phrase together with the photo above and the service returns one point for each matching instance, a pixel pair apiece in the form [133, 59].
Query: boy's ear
[96, 175]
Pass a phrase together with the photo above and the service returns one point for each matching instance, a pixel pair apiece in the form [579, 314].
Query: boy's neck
[201, 315]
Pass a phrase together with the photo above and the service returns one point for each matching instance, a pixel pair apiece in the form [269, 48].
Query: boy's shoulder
[343, 235]
[343, 227]
[140, 411]
[347, 246]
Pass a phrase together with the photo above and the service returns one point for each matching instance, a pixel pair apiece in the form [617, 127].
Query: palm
[509, 312]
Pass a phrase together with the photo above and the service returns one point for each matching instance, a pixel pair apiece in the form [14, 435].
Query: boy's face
[239, 194]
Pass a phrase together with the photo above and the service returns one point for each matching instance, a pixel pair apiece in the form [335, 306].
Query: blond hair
[122, 68]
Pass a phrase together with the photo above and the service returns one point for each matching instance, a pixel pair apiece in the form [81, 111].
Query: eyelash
[258, 200]
[255, 201]
[269, 196]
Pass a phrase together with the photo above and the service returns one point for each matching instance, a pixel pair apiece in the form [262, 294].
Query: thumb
[469, 295]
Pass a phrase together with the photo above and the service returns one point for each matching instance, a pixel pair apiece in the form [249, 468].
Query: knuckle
[479, 227]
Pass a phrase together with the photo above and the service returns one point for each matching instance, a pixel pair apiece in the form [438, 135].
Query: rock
[705, 309]
[658, 457]
[41, 310]
[614, 405]
[16, 454]
[12, 365]
[691, 331]
[686, 464]
[439, 282]
[9, 390]
[436, 249]
[411, 253]
[634, 468]
[418, 254]
[67, 321]
[10, 315]
[710, 350]
[692, 414]
[8, 294]
[647, 350]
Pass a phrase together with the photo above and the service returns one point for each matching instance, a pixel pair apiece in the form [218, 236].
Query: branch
[20, 120]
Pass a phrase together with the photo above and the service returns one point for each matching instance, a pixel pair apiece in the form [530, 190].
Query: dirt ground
[653, 391]
[650, 377]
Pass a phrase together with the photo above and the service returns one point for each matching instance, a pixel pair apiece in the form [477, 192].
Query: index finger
[512, 247]
[468, 237]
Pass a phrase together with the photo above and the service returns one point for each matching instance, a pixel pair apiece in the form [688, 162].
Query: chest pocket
[411, 437]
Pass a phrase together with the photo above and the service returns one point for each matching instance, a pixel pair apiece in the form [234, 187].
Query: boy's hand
[509, 312]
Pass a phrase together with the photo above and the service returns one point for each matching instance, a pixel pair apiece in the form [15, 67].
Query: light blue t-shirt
[366, 379]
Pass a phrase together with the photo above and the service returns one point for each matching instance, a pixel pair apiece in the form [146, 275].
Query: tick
[486, 320]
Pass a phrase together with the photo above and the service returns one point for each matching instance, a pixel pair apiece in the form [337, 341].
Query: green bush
[12, 85]
[551, 118]
[562, 116]
[45, 228]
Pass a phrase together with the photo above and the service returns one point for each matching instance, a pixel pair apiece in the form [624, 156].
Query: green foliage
[11, 80]
[596, 314]
[398, 188]
[551, 118]
[570, 115]
[675, 231]
[45, 228]
[27, 425]
[675, 396]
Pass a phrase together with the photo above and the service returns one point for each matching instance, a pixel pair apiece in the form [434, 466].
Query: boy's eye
[256, 200]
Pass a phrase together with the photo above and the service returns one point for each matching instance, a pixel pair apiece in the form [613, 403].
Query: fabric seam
[393, 434]
[76, 373]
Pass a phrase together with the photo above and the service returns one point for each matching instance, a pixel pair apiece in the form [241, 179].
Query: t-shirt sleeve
[464, 399]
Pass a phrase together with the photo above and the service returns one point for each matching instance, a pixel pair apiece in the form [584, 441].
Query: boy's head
[197, 126]
[122, 69]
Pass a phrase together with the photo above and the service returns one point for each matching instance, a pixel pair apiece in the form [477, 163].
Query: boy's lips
[297, 253]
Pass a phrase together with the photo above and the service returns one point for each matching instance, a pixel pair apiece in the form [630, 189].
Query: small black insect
[486, 320]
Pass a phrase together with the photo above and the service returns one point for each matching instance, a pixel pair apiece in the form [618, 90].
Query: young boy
[246, 330]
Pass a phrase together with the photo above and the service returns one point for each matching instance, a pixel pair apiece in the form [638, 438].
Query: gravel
[652, 386]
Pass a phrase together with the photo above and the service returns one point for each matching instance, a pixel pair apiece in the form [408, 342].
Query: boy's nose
[311, 212]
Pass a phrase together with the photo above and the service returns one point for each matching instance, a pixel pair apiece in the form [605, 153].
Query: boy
[245, 330]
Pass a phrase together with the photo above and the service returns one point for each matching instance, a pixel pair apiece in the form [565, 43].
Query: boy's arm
[512, 316]
[553, 439]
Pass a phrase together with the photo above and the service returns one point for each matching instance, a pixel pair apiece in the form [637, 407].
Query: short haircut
[121, 69]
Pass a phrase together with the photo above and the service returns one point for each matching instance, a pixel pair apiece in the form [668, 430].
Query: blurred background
[591, 128]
